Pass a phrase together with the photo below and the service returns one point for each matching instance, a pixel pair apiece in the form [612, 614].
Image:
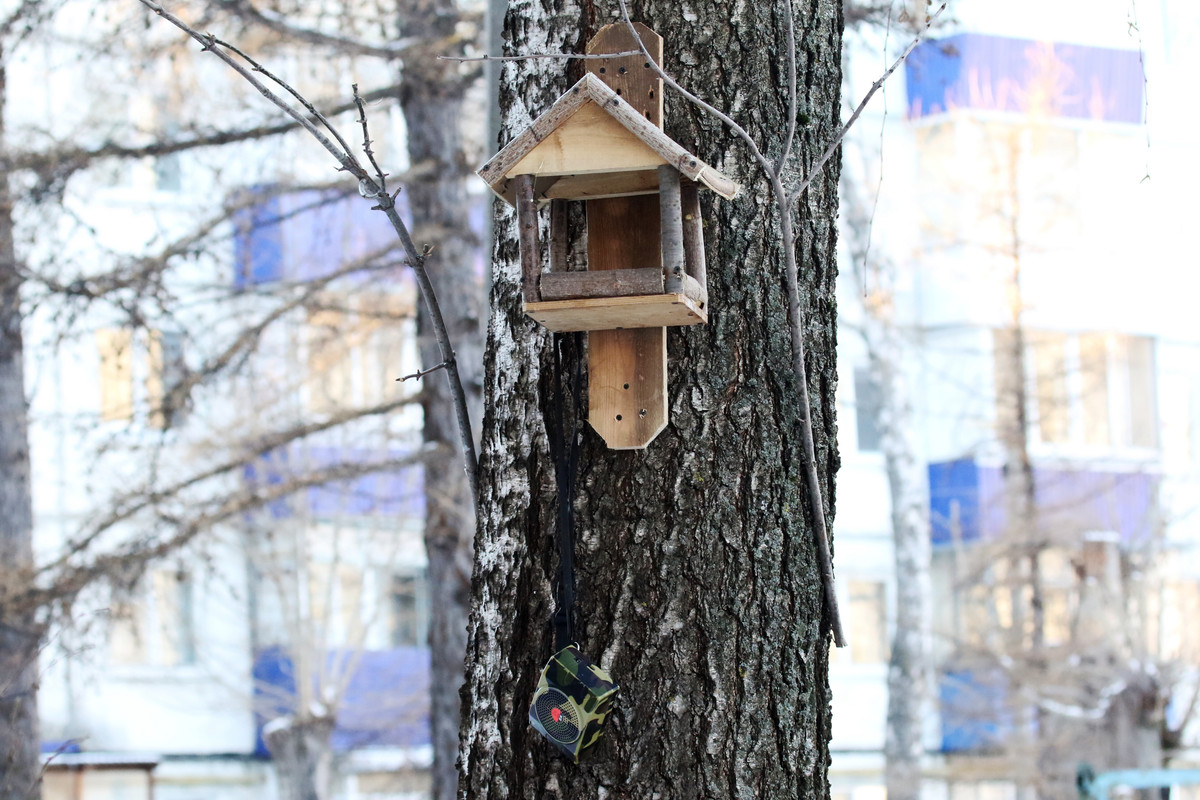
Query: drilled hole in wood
[622, 70]
[618, 91]
[647, 65]
[652, 93]
[627, 386]
[618, 417]
[602, 70]
[642, 413]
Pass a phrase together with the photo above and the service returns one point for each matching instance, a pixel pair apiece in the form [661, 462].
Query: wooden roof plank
[592, 89]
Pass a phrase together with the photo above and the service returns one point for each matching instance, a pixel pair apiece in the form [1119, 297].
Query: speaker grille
[557, 714]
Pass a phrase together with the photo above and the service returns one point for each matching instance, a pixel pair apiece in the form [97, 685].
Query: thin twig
[279, 24]
[362, 119]
[793, 90]
[209, 43]
[1134, 27]
[796, 328]
[421, 373]
[573, 56]
[729, 121]
[385, 203]
[815, 169]
[785, 200]
[301, 99]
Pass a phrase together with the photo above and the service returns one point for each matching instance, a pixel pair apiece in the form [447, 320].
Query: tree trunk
[698, 583]
[302, 753]
[908, 665]
[20, 764]
[432, 100]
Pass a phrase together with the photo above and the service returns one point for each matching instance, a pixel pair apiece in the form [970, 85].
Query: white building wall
[1115, 261]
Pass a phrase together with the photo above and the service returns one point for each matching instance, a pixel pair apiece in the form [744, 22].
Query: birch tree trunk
[431, 96]
[909, 663]
[20, 764]
[302, 753]
[909, 678]
[699, 589]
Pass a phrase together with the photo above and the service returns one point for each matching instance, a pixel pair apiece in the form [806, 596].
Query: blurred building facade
[1023, 138]
[1031, 210]
[294, 457]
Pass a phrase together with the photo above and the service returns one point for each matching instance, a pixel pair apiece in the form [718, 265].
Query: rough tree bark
[432, 97]
[698, 583]
[20, 765]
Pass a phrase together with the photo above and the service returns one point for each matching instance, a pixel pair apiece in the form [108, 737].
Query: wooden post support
[670, 211]
[693, 236]
[558, 236]
[627, 369]
[527, 228]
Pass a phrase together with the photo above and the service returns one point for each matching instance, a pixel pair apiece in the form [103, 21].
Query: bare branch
[132, 558]
[729, 121]
[531, 56]
[63, 162]
[421, 373]
[385, 203]
[793, 90]
[344, 44]
[362, 119]
[135, 502]
[787, 240]
[210, 43]
[301, 99]
[815, 169]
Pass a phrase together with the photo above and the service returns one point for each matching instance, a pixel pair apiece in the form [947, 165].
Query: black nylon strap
[565, 451]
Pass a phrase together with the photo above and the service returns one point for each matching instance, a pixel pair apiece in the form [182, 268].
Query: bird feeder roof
[592, 144]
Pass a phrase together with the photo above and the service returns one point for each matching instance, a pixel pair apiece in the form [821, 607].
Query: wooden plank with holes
[627, 369]
[629, 76]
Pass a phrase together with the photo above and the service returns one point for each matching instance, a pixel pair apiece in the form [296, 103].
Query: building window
[1090, 389]
[124, 360]
[868, 403]
[355, 349]
[868, 622]
[115, 346]
[335, 603]
[1060, 595]
[165, 371]
[155, 625]
[409, 610]
[1050, 381]
[1174, 622]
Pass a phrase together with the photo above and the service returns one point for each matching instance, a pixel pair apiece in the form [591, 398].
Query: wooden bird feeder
[602, 143]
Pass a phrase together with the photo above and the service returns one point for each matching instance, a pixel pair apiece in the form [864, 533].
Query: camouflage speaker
[572, 701]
